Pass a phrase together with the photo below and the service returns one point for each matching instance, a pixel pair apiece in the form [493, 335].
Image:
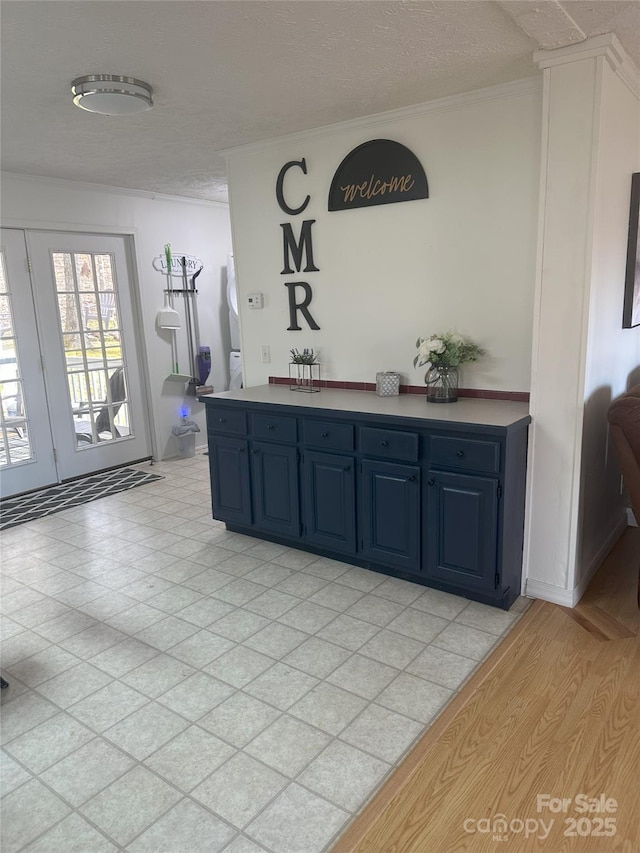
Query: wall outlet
[255, 300]
[265, 354]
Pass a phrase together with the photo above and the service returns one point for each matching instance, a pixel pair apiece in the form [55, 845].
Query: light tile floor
[176, 687]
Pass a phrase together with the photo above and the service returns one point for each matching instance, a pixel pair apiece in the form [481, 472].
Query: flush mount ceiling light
[111, 94]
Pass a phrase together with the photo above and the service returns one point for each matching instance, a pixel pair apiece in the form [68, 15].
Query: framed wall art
[631, 307]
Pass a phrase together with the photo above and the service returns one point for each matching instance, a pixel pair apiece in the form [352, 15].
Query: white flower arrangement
[446, 350]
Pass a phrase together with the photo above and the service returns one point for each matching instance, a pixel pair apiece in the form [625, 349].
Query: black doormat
[15, 511]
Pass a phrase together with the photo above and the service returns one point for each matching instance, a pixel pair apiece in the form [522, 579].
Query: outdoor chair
[103, 423]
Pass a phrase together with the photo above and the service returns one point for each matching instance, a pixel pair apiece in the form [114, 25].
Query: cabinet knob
[256, 451]
[222, 420]
[412, 478]
[384, 443]
[270, 426]
[324, 434]
[347, 468]
[431, 482]
[242, 449]
[460, 454]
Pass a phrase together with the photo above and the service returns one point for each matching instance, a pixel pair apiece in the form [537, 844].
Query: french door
[26, 443]
[79, 333]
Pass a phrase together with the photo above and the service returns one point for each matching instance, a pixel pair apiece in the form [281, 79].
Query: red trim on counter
[484, 394]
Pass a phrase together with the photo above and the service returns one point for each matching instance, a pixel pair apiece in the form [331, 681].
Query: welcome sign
[377, 172]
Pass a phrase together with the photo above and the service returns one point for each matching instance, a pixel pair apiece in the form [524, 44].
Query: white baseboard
[570, 597]
[549, 592]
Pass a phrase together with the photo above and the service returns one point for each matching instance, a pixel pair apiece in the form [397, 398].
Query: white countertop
[499, 413]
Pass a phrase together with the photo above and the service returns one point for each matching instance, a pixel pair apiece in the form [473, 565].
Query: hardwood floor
[554, 711]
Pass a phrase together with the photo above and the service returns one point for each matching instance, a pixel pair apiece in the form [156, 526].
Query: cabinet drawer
[467, 453]
[274, 427]
[389, 444]
[226, 421]
[328, 434]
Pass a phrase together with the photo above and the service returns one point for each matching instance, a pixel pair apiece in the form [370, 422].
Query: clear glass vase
[442, 384]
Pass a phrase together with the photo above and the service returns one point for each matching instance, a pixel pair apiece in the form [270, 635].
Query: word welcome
[374, 186]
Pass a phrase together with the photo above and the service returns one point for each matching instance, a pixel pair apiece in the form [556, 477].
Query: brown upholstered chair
[624, 422]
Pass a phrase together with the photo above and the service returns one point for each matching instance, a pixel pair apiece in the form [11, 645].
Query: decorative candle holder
[304, 377]
[387, 383]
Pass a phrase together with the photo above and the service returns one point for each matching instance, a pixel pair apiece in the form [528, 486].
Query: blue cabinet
[439, 503]
[329, 501]
[274, 474]
[462, 530]
[230, 483]
[390, 514]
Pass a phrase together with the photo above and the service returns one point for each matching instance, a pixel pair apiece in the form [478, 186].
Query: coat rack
[199, 356]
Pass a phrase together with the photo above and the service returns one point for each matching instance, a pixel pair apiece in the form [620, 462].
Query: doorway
[70, 368]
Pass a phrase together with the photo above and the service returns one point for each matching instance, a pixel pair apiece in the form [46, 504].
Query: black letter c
[279, 183]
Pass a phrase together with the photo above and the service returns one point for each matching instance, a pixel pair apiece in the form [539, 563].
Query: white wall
[193, 227]
[613, 353]
[463, 259]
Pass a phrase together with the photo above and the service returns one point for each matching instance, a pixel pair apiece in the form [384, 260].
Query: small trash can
[186, 445]
[185, 435]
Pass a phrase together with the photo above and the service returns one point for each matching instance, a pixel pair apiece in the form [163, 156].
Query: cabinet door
[274, 471]
[391, 514]
[462, 521]
[330, 514]
[230, 483]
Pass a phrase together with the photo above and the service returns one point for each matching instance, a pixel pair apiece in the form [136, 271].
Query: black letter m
[294, 249]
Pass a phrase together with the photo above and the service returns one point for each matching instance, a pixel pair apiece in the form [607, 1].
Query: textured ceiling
[230, 72]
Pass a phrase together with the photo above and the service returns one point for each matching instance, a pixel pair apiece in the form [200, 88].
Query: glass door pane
[14, 438]
[89, 318]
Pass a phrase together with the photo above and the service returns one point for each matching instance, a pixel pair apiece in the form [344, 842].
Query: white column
[572, 104]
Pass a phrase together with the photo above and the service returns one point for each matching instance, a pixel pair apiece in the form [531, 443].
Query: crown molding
[104, 188]
[502, 91]
[606, 45]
